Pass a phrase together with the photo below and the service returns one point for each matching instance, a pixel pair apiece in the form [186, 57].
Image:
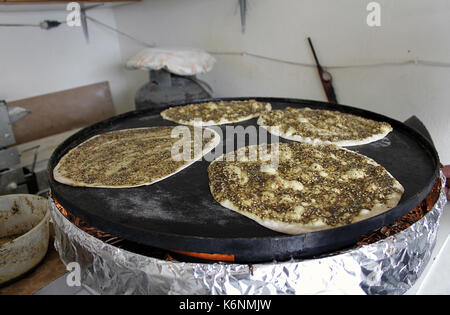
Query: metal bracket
[9, 156]
[6, 132]
[84, 19]
[243, 7]
[161, 77]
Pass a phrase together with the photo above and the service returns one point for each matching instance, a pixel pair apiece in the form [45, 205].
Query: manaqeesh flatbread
[215, 113]
[134, 157]
[310, 188]
[323, 126]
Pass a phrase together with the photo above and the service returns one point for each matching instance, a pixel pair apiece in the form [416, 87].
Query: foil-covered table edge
[389, 266]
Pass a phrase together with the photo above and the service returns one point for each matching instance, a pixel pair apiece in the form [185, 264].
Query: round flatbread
[321, 126]
[215, 113]
[134, 157]
[309, 188]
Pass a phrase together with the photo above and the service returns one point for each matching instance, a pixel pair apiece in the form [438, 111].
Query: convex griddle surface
[179, 212]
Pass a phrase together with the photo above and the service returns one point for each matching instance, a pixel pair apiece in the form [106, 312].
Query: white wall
[35, 61]
[409, 29]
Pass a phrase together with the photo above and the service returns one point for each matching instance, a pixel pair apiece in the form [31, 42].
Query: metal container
[389, 266]
[168, 88]
[24, 234]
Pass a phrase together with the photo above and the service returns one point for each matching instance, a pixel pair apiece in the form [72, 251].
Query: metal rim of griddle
[273, 246]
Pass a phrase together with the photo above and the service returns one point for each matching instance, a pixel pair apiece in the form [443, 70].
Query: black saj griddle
[180, 214]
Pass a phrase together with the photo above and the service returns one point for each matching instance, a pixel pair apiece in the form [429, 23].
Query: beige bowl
[24, 233]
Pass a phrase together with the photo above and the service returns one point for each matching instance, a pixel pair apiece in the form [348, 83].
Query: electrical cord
[119, 32]
[429, 63]
[45, 25]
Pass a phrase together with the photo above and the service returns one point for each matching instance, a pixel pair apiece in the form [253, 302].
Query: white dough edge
[222, 121]
[301, 228]
[59, 178]
[276, 131]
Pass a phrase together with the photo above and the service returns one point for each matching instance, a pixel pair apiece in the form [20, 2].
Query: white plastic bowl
[24, 233]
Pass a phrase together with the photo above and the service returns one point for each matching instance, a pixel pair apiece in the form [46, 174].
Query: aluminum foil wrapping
[389, 266]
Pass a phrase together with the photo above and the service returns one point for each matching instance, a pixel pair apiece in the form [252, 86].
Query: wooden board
[57, 112]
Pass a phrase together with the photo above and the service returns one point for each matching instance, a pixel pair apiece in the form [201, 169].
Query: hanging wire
[120, 32]
[429, 63]
[45, 25]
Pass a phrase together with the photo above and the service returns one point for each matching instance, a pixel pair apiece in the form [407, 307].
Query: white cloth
[177, 61]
